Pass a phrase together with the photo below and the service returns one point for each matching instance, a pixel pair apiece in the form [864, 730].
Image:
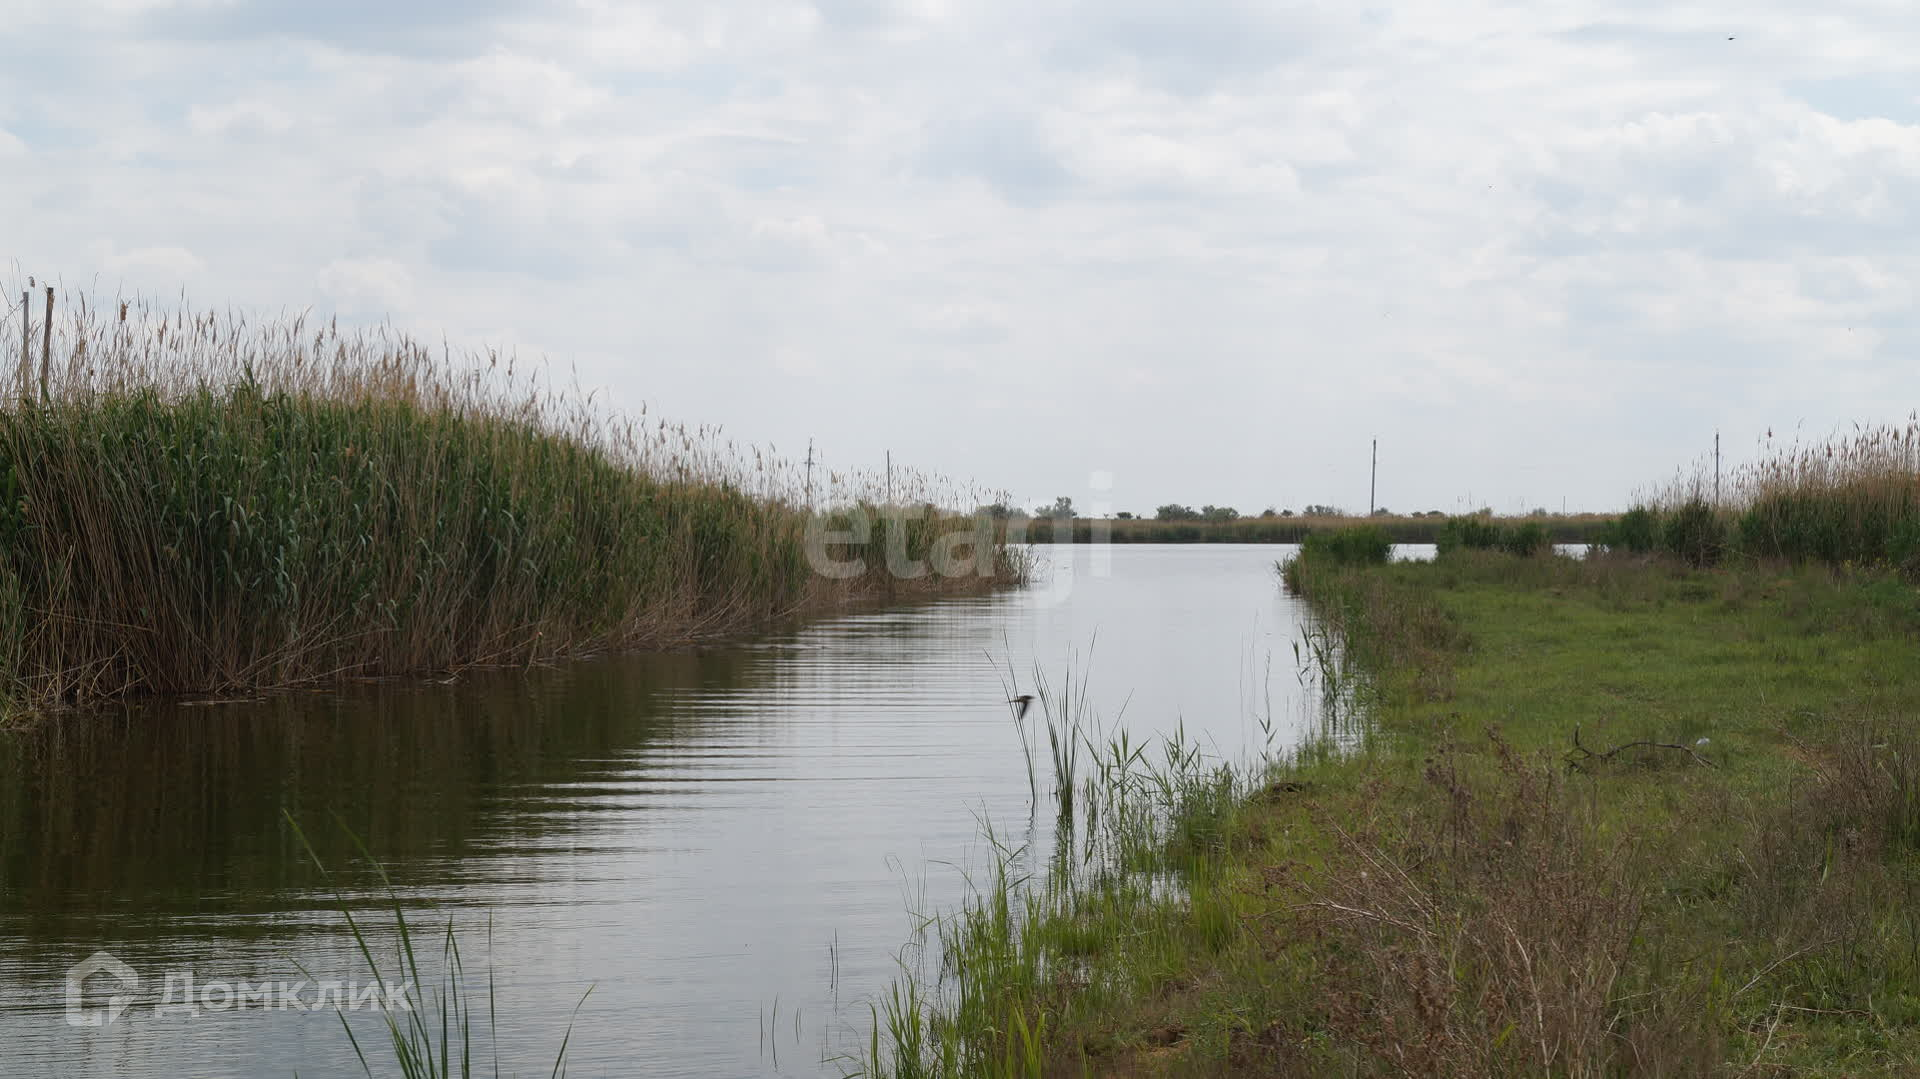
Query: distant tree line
[1282, 528]
[1062, 509]
[1173, 511]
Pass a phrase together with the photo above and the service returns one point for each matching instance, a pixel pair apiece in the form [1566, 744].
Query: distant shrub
[1467, 533]
[1348, 546]
[1526, 540]
[1483, 534]
[1360, 546]
[1695, 534]
[1636, 531]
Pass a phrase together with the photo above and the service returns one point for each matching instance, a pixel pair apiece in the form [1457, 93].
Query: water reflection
[174, 802]
[699, 836]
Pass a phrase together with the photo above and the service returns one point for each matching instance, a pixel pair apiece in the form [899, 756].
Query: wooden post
[46, 345]
[26, 341]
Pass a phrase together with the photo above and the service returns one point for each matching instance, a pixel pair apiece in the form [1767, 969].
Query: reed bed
[1358, 546]
[1854, 498]
[1478, 533]
[195, 503]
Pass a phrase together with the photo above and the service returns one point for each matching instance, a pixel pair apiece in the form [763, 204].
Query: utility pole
[889, 477]
[1373, 478]
[809, 473]
[1716, 470]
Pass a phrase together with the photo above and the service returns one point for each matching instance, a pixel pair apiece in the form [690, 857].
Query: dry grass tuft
[1489, 941]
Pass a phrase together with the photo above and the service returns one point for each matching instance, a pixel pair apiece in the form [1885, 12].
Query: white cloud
[368, 287]
[1247, 236]
[966, 323]
[151, 267]
[240, 119]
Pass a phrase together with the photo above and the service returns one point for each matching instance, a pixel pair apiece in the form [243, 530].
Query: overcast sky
[1541, 250]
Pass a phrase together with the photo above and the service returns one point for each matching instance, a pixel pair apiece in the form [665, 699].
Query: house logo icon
[104, 966]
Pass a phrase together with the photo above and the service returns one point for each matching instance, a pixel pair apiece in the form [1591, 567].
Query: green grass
[1758, 906]
[198, 505]
[1617, 817]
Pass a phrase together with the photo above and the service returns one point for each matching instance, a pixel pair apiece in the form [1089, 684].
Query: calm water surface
[726, 846]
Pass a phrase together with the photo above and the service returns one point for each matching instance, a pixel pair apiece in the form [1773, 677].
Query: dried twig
[1788, 958]
[1585, 754]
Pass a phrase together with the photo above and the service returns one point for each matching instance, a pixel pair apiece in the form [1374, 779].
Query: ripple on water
[694, 834]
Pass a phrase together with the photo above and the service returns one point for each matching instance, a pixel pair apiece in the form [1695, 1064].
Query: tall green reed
[202, 504]
[1361, 545]
[1854, 498]
[1139, 826]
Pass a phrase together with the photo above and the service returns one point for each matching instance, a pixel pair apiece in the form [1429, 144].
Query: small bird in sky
[1020, 704]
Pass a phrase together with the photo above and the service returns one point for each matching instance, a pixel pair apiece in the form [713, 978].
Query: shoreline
[1607, 816]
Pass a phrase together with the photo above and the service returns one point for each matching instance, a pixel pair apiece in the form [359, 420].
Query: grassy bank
[1618, 817]
[195, 504]
[1559, 528]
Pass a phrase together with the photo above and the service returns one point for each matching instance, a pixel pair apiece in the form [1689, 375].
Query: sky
[1127, 252]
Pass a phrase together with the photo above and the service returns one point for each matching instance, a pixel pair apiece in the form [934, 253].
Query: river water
[727, 846]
